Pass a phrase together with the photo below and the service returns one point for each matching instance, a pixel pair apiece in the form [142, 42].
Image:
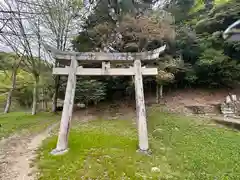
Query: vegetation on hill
[197, 56]
[24, 83]
[196, 53]
[214, 61]
[200, 4]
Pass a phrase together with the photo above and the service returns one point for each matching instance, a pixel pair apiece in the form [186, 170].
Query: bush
[88, 90]
[215, 68]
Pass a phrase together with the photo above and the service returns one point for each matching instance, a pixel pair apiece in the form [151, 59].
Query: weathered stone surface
[231, 106]
[102, 56]
[234, 97]
[228, 99]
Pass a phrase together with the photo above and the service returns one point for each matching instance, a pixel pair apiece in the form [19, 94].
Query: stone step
[204, 109]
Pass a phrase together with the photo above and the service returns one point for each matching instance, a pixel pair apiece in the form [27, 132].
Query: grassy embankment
[16, 122]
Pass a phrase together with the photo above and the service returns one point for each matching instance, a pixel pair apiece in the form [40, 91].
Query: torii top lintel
[101, 56]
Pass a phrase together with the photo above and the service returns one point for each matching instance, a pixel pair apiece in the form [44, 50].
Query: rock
[227, 108]
[155, 169]
[228, 99]
[81, 105]
[205, 109]
[196, 109]
[231, 106]
[234, 97]
[60, 102]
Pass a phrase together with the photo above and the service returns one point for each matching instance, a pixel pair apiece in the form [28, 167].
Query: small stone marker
[234, 97]
[155, 169]
[81, 105]
[228, 99]
[231, 106]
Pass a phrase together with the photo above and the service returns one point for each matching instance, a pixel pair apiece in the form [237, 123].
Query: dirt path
[18, 151]
[16, 154]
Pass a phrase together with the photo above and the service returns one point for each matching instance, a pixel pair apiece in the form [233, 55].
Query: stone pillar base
[146, 152]
[56, 152]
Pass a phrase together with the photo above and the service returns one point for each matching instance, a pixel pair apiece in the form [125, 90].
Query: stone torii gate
[71, 60]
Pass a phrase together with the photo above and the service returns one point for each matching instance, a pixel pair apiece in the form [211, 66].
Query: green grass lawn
[15, 122]
[182, 148]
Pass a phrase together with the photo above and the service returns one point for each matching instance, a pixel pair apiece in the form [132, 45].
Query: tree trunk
[9, 97]
[35, 89]
[157, 94]
[150, 87]
[161, 91]
[55, 95]
[46, 105]
[43, 102]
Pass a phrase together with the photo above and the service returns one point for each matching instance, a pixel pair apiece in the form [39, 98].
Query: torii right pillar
[140, 108]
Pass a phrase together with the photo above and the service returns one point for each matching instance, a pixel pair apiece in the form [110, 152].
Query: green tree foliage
[112, 10]
[104, 19]
[143, 30]
[88, 90]
[180, 8]
[219, 18]
[169, 68]
[214, 61]
[22, 94]
[215, 68]
[134, 26]
[131, 33]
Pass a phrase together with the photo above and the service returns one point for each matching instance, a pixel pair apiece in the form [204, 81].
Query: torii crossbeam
[74, 58]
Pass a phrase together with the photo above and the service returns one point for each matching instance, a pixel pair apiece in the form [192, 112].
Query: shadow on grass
[231, 125]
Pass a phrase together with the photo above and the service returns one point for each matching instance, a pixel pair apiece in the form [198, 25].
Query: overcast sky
[46, 35]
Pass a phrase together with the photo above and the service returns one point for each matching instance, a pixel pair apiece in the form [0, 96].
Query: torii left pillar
[62, 143]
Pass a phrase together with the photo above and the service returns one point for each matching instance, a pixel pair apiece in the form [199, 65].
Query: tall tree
[10, 62]
[168, 68]
[17, 61]
[132, 33]
[179, 8]
[108, 12]
[59, 21]
[16, 35]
